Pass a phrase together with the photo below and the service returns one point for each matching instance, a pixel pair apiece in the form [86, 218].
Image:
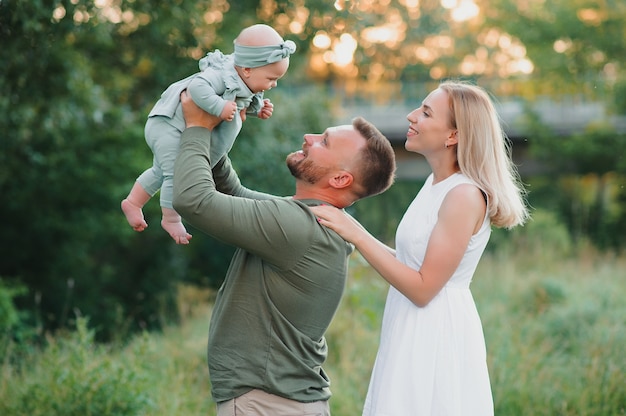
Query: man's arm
[225, 177]
[227, 181]
[272, 229]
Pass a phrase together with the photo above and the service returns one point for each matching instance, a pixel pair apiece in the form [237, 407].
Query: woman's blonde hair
[484, 153]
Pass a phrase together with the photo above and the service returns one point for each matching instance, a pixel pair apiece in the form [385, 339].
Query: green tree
[80, 76]
[584, 182]
[61, 170]
[576, 46]
[77, 83]
[79, 79]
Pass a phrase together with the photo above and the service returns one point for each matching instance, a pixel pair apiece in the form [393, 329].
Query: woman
[432, 356]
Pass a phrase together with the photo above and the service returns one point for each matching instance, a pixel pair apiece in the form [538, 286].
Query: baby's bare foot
[134, 215]
[176, 230]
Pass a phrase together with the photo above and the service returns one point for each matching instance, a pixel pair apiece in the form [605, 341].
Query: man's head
[343, 164]
[262, 57]
[340, 166]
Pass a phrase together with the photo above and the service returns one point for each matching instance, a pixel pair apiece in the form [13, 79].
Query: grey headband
[256, 56]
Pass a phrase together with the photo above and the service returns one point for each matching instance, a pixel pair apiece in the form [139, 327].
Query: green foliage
[554, 329]
[74, 377]
[79, 78]
[591, 36]
[619, 98]
[591, 151]
[542, 236]
[76, 113]
[75, 92]
[555, 332]
[382, 213]
[539, 297]
[590, 206]
[9, 316]
[582, 181]
[260, 151]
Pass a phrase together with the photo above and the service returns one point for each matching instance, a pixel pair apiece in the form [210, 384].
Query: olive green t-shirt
[282, 288]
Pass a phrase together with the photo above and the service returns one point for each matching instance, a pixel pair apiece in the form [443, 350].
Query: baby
[229, 87]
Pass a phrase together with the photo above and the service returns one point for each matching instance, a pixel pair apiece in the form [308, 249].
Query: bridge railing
[387, 105]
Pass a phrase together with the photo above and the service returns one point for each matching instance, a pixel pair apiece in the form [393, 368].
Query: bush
[542, 237]
[8, 313]
[554, 332]
[74, 377]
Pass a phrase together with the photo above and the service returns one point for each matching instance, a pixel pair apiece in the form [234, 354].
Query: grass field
[555, 331]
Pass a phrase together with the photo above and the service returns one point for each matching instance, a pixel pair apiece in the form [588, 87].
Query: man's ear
[341, 179]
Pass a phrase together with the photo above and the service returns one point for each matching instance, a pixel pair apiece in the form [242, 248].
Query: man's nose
[309, 139]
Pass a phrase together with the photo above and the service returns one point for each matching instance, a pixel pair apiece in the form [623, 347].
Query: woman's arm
[460, 216]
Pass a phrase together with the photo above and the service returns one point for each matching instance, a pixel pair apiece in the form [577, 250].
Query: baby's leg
[165, 151]
[173, 224]
[132, 205]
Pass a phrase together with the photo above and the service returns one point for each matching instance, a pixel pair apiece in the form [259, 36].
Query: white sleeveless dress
[432, 360]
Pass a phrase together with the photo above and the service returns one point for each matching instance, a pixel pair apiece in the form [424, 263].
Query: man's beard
[305, 169]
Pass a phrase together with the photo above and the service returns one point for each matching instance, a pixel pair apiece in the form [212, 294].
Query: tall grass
[555, 332]
[555, 329]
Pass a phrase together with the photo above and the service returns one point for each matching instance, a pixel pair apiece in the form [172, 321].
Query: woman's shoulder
[460, 178]
[466, 185]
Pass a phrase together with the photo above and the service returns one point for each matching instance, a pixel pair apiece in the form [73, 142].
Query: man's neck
[320, 195]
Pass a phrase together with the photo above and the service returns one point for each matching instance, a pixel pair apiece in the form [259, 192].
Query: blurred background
[79, 78]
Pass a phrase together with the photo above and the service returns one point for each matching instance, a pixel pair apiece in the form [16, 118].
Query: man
[266, 339]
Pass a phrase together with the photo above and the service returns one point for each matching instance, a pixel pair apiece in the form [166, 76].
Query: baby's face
[265, 77]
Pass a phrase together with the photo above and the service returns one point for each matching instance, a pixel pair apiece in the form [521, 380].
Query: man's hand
[195, 116]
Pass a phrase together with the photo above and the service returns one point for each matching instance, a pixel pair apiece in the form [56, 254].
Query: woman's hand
[340, 222]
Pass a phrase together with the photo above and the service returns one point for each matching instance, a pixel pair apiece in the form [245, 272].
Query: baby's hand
[229, 111]
[267, 110]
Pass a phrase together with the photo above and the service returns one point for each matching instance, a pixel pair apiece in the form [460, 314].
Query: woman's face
[429, 125]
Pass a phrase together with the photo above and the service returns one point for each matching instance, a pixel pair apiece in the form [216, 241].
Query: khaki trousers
[260, 403]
